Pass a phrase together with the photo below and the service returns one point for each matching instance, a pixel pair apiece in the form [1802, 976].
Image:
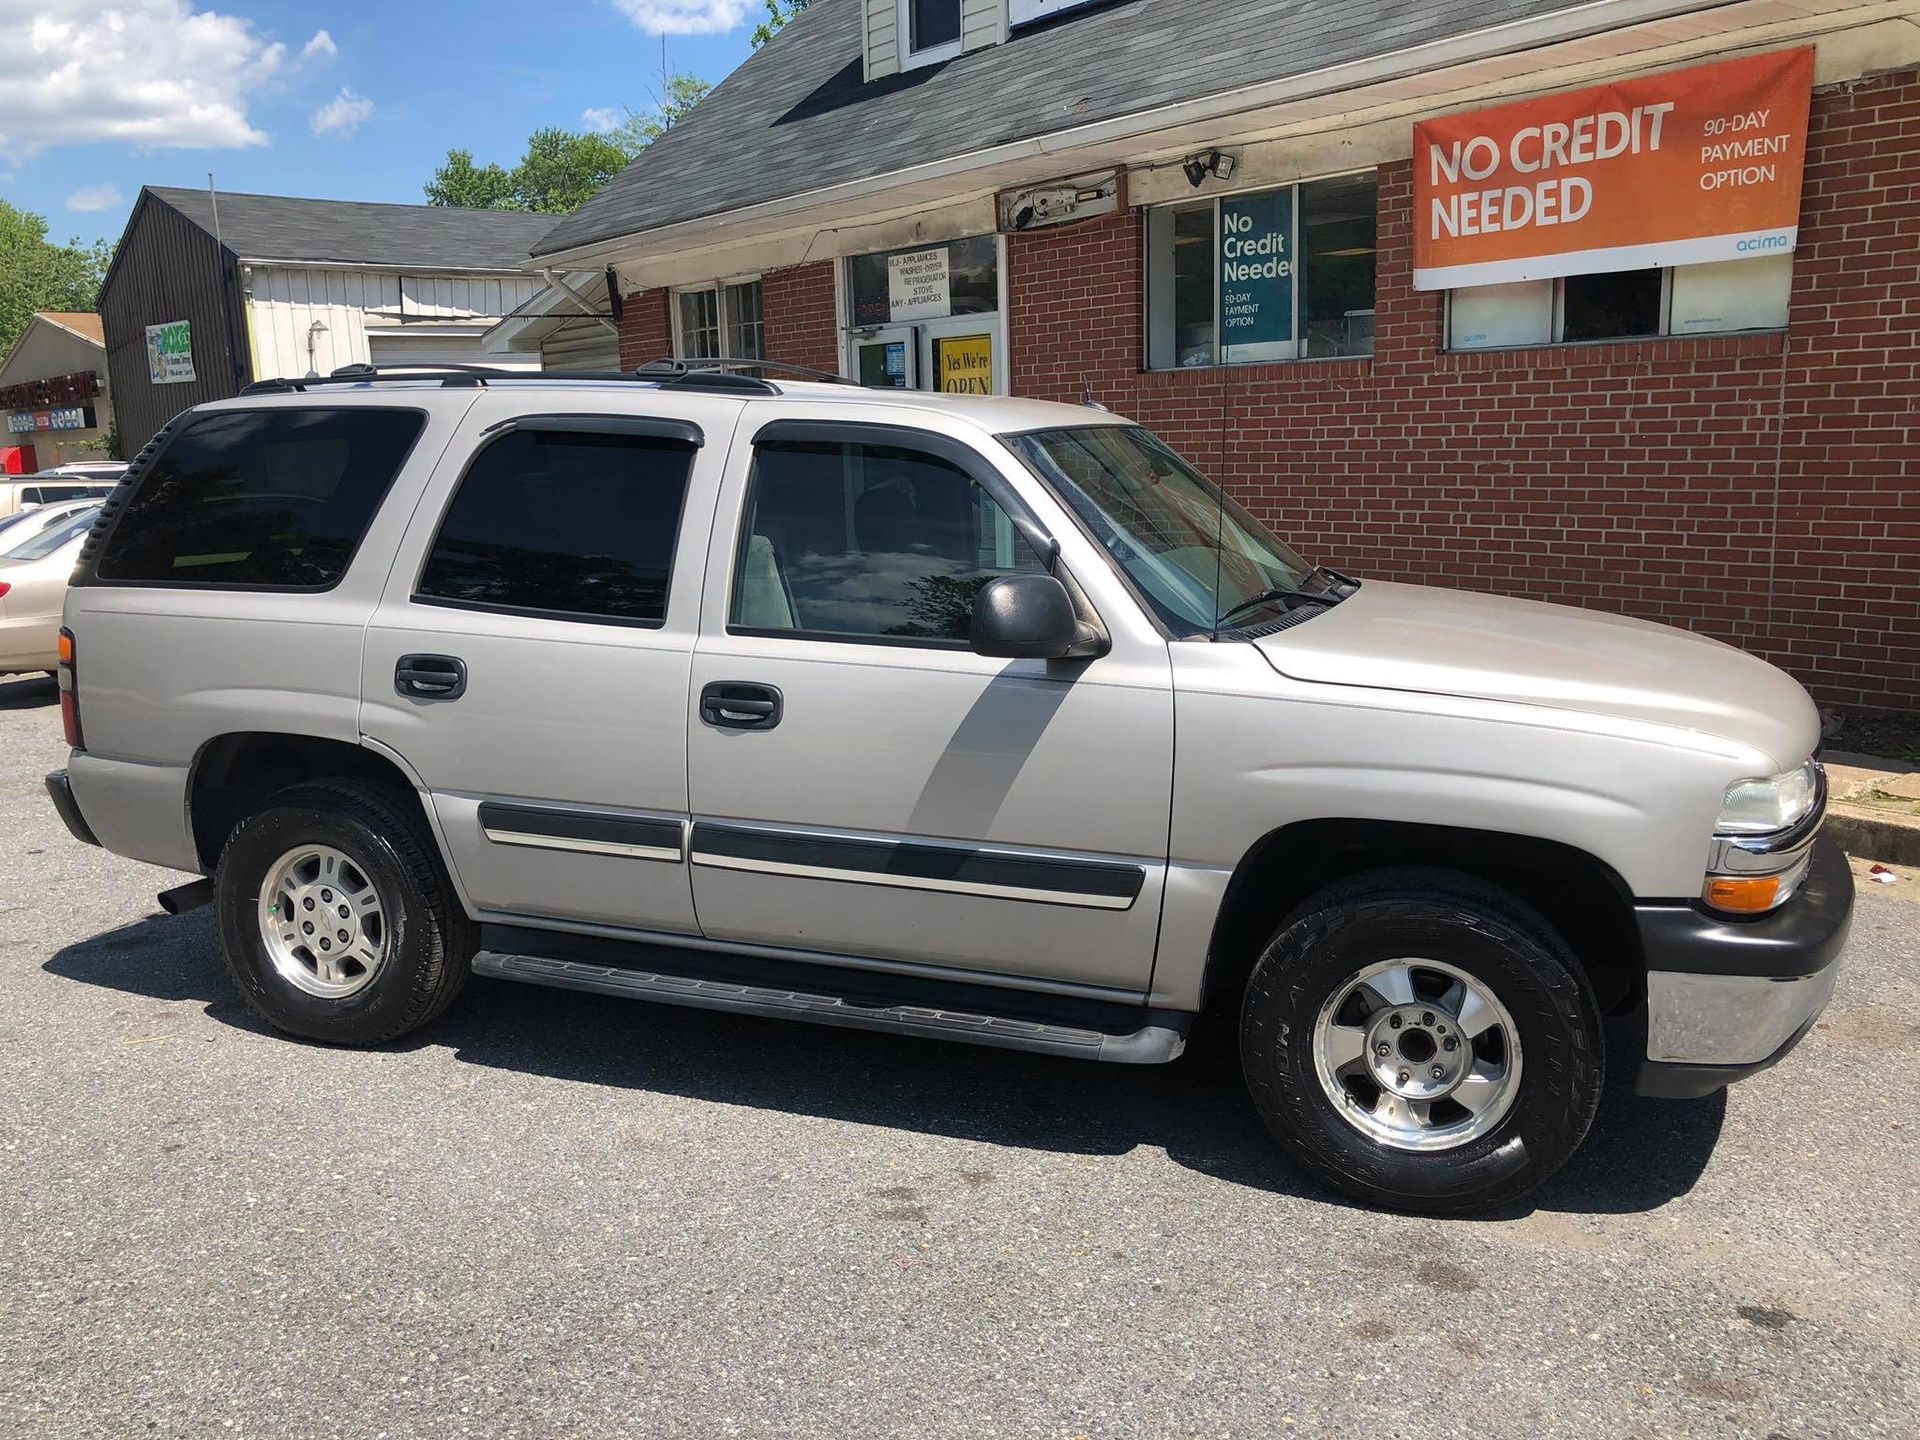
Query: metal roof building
[208, 292]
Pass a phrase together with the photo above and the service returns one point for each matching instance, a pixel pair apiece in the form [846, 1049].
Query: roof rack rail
[446, 374]
[703, 375]
[726, 376]
[783, 367]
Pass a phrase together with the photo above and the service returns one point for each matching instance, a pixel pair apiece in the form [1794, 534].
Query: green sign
[170, 353]
[1256, 277]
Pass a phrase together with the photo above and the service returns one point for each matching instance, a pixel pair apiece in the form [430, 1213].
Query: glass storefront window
[1263, 275]
[972, 283]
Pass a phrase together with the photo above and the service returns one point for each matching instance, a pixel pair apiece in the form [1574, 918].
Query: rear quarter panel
[161, 671]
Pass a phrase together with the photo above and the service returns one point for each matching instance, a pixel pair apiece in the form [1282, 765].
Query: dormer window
[930, 31]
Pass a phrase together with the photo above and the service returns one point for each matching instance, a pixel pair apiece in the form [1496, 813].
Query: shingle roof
[83, 323]
[281, 227]
[797, 116]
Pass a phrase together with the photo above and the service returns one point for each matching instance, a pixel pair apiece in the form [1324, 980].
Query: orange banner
[1675, 169]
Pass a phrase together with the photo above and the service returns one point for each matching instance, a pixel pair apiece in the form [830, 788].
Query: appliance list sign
[919, 286]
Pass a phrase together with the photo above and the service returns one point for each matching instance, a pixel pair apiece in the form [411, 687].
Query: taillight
[69, 692]
[5, 586]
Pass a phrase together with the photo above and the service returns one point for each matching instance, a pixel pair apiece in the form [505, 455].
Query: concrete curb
[1875, 834]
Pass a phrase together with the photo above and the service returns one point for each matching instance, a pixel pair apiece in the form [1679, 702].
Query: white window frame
[1199, 202]
[912, 59]
[719, 291]
[1557, 324]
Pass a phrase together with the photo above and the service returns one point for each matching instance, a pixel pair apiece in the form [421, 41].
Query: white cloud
[96, 197]
[685, 17]
[320, 46]
[603, 119]
[342, 115]
[146, 73]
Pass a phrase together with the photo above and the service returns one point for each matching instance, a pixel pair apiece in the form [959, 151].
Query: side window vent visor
[644, 427]
[116, 500]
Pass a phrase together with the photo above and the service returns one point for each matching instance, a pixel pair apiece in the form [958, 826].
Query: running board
[1151, 1044]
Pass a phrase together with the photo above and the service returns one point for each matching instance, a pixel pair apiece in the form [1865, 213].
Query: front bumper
[1729, 996]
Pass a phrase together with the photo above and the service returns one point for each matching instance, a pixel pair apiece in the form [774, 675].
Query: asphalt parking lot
[559, 1215]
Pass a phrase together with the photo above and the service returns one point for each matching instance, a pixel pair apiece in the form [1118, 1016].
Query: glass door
[928, 318]
[962, 356]
[885, 359]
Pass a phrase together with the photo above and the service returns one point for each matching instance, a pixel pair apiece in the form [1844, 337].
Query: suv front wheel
[1423, 1040]
[335, 917]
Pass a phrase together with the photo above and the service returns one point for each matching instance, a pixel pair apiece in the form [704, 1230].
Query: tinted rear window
[563, 525]
[260, 499]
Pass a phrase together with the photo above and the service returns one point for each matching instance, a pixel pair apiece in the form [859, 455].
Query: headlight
[1758, 807]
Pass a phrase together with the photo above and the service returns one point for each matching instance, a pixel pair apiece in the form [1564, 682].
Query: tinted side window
[869, 541]
[563, 524]
[260, 499]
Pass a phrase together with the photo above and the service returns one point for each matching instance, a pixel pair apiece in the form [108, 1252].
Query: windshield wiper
[1335, 588]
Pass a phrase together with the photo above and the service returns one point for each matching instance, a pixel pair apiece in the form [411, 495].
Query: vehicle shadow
[1641, 1154]
[28, 692]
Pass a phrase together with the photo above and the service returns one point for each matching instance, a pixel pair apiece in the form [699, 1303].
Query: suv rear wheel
[1423, 1040]
[336, 919]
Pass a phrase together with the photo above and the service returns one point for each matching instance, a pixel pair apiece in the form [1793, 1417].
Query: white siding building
[243, 287]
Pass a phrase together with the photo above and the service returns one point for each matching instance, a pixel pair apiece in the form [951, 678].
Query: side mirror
[1025, 617]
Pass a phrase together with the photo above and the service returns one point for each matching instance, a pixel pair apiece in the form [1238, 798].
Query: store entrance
[928, 319]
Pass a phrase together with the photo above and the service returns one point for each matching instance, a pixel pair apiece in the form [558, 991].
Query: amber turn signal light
[66, 647]
[1742, 895]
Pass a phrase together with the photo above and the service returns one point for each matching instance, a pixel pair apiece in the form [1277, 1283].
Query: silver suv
[964, 718]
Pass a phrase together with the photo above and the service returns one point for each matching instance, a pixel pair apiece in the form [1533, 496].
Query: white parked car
[33, 588]
[17, 530]
[28, 492]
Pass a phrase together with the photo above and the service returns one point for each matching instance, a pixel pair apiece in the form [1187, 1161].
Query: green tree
[643, 127]
[779, 12]
[38, 275]
[561, 170]
[461, 183]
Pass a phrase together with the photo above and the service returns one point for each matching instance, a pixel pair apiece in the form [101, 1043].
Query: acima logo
[1764, 242]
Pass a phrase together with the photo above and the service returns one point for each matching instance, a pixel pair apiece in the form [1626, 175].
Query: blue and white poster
[1256, 277]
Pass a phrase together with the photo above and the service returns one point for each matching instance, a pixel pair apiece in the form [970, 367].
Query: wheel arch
[232, 773]
[1579, 894]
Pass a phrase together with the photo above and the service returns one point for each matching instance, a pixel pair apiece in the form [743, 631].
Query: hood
[1489, 647]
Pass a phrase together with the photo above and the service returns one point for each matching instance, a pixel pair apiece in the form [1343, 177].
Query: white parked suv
[965, 718]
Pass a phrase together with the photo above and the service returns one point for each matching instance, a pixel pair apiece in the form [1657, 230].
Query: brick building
[1032, 196]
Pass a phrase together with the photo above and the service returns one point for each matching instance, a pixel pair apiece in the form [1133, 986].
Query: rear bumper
[1726, 998]
[61, 792]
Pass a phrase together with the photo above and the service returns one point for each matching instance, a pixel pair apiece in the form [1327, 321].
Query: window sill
[1319, 366]
[1731, 345]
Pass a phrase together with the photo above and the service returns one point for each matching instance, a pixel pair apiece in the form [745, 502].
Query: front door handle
[739, 705]
[431, 677]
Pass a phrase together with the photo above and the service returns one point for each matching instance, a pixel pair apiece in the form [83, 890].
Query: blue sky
[350, 100]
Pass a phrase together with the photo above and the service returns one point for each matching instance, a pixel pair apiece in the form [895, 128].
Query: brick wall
[802, 328]
[1763, 489]
[645, 331]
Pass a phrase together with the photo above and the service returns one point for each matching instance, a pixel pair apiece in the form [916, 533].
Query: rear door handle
[431, 677]
[739, 705]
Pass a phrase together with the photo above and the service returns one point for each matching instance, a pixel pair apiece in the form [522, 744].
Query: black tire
[1475, 928]
[429, 939]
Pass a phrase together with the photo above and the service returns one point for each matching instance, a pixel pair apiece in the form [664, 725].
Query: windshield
[54, 536]
[1191, 553]
[25, 522]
